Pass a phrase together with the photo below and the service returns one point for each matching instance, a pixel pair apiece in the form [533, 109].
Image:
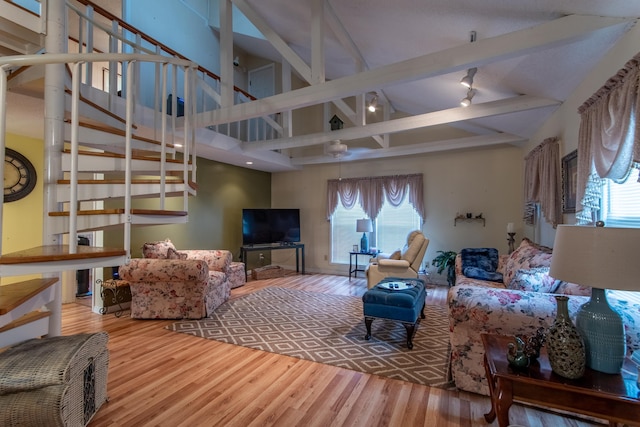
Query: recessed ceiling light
[249, 162]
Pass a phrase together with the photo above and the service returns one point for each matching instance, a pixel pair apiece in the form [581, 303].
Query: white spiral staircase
[113, 149]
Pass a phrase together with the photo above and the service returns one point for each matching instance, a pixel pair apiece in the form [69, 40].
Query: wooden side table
[614, 397]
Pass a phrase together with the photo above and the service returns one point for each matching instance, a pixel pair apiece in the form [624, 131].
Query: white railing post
[163, 151]
[127, 174]
[76, 75]
[89, 42]
[188, 114]
[3, 127]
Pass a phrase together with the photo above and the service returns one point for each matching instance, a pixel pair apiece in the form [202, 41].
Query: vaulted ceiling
[529, 56]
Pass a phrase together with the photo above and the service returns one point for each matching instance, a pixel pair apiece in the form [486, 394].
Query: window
[390, 229]
[621, 202]
[621, 208]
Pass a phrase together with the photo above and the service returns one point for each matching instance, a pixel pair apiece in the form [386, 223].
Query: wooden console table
[613, 397]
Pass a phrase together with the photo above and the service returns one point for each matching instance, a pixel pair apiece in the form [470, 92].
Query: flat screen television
[270, 226]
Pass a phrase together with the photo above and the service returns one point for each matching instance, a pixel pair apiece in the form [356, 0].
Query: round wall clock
[19, 176]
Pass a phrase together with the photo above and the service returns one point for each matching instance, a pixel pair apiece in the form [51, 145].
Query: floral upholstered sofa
[520, 304]
[172, 284]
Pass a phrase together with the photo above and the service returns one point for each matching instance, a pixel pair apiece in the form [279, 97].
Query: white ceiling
[432, 37]
[387, 32]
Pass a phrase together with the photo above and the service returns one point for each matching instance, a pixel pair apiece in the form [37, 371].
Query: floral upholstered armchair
[172, 284]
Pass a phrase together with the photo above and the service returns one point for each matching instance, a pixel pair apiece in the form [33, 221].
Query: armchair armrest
[164, 270]
[217, 260]
[394, 263]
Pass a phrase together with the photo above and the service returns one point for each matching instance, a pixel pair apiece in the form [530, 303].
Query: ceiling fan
[336, 149]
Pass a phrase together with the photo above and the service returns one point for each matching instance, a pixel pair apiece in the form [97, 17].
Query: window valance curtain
[372, 192]
[609, 137]
[542, 182]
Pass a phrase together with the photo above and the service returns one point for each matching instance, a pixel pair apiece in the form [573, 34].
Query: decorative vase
[564, 344]
[603, 333]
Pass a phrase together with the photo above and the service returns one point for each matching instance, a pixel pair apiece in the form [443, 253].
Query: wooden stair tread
[121, 211]
[173, 180]
[114, 131]
[122, 156]
[14, 294]
[58, 253]
[27, 318]
[99, 108]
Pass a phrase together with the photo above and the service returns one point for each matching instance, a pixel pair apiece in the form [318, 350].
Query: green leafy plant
[446, 260]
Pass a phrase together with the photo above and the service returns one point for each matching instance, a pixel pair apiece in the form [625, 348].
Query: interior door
[261, 85]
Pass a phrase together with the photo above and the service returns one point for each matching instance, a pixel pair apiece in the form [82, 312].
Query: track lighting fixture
[467, 100]
[374, 103]
[467, 80]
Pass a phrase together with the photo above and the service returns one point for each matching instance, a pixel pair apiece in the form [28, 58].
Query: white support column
[317, 42]
[55, 42]
[226, 53]
[287, 119]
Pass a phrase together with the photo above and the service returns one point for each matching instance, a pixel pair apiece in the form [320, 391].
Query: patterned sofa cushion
[568, 288]
[528, 255]
[479, 273]
[157, 250]
[483, 258]
[173, 254]
[535, 279]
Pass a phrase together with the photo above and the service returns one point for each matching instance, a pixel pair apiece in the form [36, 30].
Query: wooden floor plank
[162, 378]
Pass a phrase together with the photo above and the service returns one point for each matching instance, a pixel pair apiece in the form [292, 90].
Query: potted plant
[446, 260]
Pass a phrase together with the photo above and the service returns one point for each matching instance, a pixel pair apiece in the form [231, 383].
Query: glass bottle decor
[564, 344]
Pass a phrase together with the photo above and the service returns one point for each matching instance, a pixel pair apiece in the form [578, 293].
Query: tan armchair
[402, 263]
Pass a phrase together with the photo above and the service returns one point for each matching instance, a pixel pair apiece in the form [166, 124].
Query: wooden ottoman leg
[367, 322]
[411, 328]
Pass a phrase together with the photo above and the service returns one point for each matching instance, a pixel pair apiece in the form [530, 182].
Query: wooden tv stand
[299, 247]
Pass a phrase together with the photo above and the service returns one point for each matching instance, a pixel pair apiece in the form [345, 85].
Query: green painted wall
[215, 214]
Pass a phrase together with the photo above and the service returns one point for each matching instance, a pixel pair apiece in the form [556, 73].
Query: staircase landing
[56, 258]
[57, 253]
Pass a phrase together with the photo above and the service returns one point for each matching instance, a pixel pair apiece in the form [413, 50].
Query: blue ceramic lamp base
[603, 333]
[364, 243]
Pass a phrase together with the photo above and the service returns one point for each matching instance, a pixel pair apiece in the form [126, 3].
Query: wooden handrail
[131, 28]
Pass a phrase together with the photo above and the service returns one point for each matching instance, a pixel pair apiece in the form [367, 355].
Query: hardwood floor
[161, 378]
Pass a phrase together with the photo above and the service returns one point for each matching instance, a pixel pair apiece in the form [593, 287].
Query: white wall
[487, 181]
[565, 122]
[181, 25]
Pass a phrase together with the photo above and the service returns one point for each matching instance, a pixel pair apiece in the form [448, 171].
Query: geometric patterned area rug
[330, 329]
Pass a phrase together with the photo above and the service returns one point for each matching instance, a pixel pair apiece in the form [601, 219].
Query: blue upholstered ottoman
[396, 299]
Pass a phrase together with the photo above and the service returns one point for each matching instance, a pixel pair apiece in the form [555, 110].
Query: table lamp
[364, 226]
[602, 258]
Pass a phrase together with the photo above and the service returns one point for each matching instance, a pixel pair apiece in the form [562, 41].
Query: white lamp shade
[600, 257]
[364, 225]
